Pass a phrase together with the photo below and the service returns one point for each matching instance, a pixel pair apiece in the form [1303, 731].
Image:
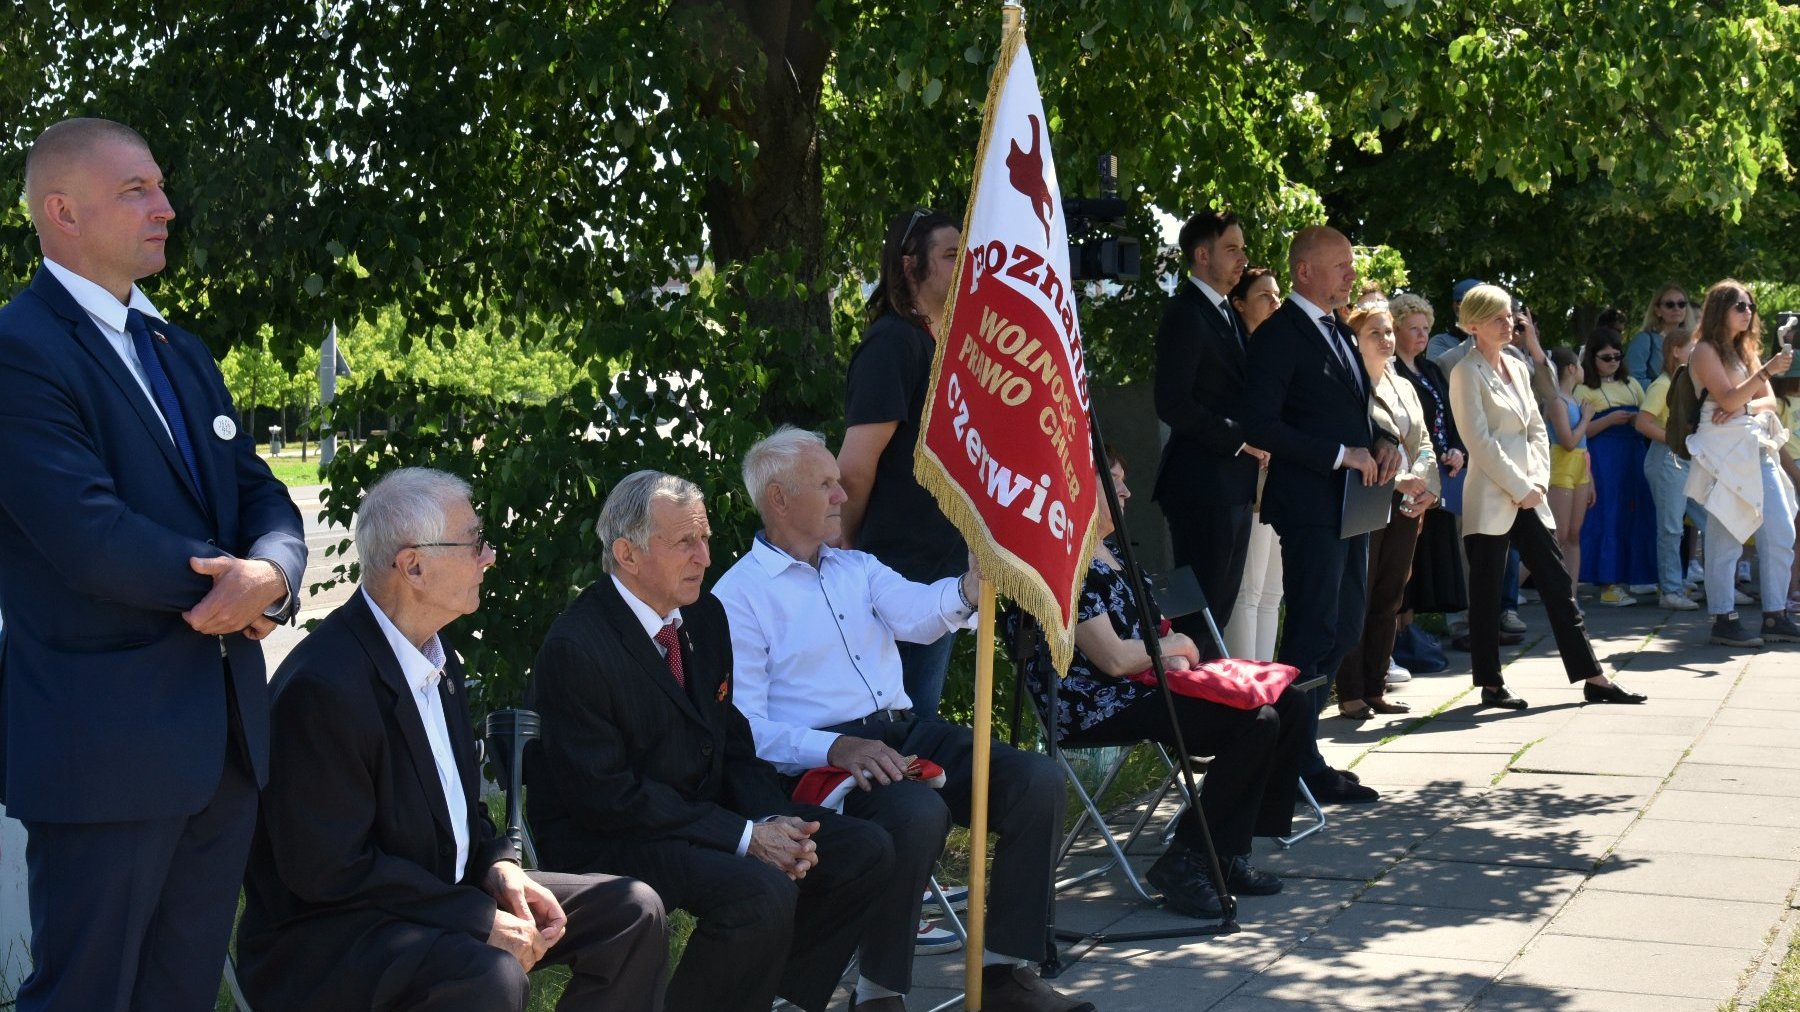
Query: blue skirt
[1618, 539]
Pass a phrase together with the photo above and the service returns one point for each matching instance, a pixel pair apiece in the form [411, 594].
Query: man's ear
[625, 555]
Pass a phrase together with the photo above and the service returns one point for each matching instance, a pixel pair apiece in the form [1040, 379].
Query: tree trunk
[776, 205]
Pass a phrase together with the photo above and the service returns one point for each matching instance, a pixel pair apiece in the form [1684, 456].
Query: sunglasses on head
[1674, 304]
[914, 220]
[1612, 356]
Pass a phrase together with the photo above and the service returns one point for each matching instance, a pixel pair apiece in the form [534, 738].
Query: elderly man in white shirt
[813, 634]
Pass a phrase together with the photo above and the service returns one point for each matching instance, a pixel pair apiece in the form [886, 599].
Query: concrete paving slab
[1770, 737]
[1630, 967]
[1420, 769]
[1523, 836]
[1146, 988]
[1460, 885]
[1698, 838]
[1662, 873]
[1731, 715]
[1636, 720]
[1692, 776]
[1428, 930]
[1241, 1003]
[1716, 753]
[1352, 851]
[1379, 980]
[1525, 998]
[1571, 791]
[1659, 705]
[1725, 809]
[1569, 754]
[1597, 913]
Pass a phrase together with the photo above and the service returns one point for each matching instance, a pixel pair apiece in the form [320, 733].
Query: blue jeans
[1668, 476]
[1774, 548]
[922, 669]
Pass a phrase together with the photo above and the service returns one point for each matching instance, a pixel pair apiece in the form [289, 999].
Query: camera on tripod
[1098, 249]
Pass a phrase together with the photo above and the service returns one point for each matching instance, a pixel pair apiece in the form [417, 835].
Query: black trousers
[1025, 808]
[1363, 673]
[617, 944]
[1537, 549]
[136, 915]
[1324, 580]
[760, 934]
[1249, 787]
[1213, 538]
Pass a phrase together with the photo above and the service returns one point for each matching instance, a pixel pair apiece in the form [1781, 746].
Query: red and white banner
[1006, 446]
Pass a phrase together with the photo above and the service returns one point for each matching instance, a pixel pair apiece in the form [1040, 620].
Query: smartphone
[1787, 334]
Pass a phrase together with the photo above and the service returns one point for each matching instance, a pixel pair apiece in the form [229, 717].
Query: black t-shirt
[902, 526]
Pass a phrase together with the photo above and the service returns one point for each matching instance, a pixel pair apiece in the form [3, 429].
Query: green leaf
[314, 284]
[933, 89]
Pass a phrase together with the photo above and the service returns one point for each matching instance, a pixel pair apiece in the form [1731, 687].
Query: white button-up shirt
[816, 647]
[424, 670]
[108, 314]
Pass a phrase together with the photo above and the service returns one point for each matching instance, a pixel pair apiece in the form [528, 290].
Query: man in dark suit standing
[377, 880]
[648, 770]
[144, 549]
[1307, 402]
[1207, 482]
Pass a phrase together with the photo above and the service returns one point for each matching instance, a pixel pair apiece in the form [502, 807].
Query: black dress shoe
[1347, 775]
[1614, 693]
[1336, 788]
[1501, 696]
[1245, 879]
[1186, 882]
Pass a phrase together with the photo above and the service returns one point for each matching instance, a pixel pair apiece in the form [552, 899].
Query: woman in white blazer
[1504, 505]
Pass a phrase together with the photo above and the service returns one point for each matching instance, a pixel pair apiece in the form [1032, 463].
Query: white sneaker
[1743, 598]
[1696, 573]
[1397, 674]
[933, 940]
[1679, 602]
[1743, 571]
[1511, 622]
[1643, 588]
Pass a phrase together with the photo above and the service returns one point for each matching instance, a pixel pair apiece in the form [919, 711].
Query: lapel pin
[224, 427]
[160, 336]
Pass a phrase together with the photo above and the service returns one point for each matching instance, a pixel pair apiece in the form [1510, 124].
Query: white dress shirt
[108, 314]
[653, 624]
[816, 647]
[1337, 346]
[424, 669]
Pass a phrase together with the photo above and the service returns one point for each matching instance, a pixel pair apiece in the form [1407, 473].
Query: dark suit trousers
[136, 915]
[1025, 807]
[617, 944]
[1213, 537]
[1249, 787]
[760, 934]
[1363, 673]
[1324, 580]
[1537, 549]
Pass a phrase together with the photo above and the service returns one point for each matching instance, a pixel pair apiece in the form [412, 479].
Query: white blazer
[1508, 446]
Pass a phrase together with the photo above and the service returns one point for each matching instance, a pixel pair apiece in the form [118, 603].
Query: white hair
[626, 513]
[772, 460]
[406, 507]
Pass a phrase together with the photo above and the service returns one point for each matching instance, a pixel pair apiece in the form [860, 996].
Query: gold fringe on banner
[1011, 575]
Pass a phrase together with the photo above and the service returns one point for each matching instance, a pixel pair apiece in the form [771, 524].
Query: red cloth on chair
[1232, 682]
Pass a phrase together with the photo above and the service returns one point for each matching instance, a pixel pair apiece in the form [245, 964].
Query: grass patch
[290, 469]
[1784, 993]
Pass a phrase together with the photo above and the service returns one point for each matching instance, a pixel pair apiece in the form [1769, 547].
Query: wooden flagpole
[978, 799]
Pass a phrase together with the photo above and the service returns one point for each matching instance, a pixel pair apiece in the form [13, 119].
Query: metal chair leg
[1318, 813]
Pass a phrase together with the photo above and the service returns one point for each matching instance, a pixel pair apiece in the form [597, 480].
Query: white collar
[774, 560]
[1313, 312]
[646, 615]
[1207, 290]
[421, 668]
[97, 301]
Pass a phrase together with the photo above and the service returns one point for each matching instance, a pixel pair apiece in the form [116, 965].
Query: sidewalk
[1568, 856]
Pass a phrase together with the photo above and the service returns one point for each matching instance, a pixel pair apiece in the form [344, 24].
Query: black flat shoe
[1614, 693]
[1185, 881]
[1245, 879]
[1501, 696]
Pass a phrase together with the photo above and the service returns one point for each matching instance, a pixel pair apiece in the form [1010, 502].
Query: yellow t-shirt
[1656, 400]
[1610, 394]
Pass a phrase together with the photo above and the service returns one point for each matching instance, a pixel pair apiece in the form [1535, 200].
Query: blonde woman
[1504, 504]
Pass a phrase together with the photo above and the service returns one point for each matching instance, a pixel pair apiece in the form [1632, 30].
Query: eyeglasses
[916, 215]
[480, 544]
[1744, 307]
[1674, 304]
[1612, 357]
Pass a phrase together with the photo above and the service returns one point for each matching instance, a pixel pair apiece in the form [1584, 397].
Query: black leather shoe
[1501, 696]
[1614, 693]
[1347, 775]
[1336, 788]
[1185, 882]
[1245, 879]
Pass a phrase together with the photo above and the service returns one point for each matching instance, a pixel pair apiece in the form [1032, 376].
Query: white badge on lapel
[224, 427]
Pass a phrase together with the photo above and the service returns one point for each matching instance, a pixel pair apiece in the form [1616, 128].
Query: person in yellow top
[1667, 474]
[1571, 483]
[1618, 542]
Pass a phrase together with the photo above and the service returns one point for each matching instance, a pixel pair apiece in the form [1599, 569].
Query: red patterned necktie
[671, 644]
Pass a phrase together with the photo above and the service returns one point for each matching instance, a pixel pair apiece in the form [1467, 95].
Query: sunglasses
[1612, 357]
[1674, 304]
[1744, 307]
[914, 220]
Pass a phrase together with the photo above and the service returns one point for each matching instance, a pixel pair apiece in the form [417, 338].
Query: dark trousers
[1025, 808]
[136, 915]
[1212, 537]
[1324, 580]
[1536, 545]
[617, 944]
[760, 934]
[1363, 673]
[1249, 786]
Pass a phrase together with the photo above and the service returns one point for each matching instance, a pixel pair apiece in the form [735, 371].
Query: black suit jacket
[351, 872]
[626, 756]
[1200, 366]
[1301, 404]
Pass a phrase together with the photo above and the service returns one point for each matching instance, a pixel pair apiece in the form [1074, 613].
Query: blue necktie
[163, 389]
